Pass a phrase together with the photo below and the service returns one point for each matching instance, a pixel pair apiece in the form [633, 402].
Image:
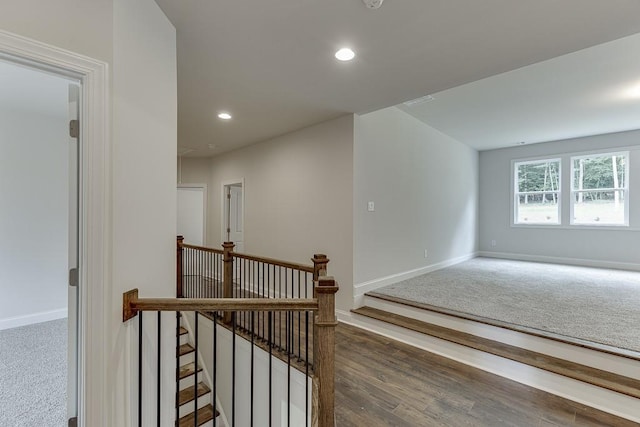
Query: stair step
[597, 377]
[185, 349]
[187, 370]
[182, 331]
[205, 414]
[187, 394]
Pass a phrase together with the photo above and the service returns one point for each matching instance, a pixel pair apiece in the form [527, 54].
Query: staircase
[592, 374]
[188, 374]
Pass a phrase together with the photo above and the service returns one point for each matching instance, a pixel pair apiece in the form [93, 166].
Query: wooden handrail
[277, 262]
[132, 304]
[202, 248]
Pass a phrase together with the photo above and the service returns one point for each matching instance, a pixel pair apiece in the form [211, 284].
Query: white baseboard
[562, 260]
[30, 319]
[362, 288]
[587, 394]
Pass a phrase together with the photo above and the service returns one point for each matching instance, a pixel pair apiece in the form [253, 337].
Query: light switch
[371, 207]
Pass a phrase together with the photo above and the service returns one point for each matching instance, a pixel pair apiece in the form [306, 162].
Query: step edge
[609, 385]
[602, 348]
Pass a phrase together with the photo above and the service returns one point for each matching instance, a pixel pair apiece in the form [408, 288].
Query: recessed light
[224, 116]
[345, 54]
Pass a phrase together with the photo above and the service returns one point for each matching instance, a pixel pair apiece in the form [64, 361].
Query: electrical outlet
[371, 206]
[493, 243]
[425, 253]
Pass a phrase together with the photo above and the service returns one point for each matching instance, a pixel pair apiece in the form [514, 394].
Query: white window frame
[624, 189]
[515, 194]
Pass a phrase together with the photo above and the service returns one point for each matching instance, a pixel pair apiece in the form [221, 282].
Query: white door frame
[223, 205]
[94, 331]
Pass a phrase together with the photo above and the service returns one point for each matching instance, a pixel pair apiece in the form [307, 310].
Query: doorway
[192, 213]
[233, 214]
[93, 207]
[39, 179]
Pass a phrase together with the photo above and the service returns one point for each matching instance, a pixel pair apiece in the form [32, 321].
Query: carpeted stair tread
[182, 331]
[597, 377]
[187, 370]
[185, 349]
[205, 414]
[187, 395]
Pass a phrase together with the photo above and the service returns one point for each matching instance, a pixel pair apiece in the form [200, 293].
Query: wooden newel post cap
[320, 259]
[228, 245]
[327, 285]
[180, 240]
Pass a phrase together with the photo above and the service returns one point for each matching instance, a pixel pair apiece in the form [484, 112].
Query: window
[599, 189]
[537, 192]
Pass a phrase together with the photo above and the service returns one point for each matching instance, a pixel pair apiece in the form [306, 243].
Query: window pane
[537, 209]
[538, 176]
[599, 207]
[604, 171]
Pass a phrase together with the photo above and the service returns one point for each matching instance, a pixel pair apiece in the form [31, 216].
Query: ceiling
[589, 92]
[270, 63]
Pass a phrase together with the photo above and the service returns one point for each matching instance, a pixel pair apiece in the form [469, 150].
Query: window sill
[576, 227]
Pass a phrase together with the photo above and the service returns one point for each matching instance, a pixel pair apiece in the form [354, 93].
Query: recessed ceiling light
[345, 54]
[224, 116]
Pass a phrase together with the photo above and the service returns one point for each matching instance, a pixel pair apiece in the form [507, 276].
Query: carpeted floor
[597, 305]
[33, 375]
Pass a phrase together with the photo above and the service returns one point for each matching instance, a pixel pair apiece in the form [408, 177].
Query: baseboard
[595, 397]
[30, 319]
[562, 260]
[362, 288]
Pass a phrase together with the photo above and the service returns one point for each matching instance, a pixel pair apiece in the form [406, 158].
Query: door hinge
[229, 196]
[74, 128]
[73, 277]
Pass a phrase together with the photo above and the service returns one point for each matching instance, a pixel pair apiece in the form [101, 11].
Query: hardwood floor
[382, 382]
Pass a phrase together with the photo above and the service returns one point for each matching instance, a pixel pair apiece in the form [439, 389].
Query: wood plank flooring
[597, 377]
[382, 382]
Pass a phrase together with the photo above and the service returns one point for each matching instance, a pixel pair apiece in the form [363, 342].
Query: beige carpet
[597, 305]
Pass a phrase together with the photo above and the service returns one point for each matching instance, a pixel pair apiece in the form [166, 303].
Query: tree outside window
[537, 195]
[599, 189]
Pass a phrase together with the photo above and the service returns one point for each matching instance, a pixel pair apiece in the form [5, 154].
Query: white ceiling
[270, 63]
[589, 92]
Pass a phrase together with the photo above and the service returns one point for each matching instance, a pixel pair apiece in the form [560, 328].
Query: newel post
[324, 351]
[180, 249]
[320, 262]
[227, 278]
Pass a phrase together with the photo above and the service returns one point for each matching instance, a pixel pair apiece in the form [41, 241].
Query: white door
[72, 308]
[234, 216]
[191, 213]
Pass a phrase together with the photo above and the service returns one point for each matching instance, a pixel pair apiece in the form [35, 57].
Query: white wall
[34, 190]
[144, 198]
[424, 186]
[138, 43]
[598, 247]
[298, 191]
[81, 26]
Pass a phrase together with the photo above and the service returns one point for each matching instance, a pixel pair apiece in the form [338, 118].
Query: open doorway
[39, 224]
[233, 214]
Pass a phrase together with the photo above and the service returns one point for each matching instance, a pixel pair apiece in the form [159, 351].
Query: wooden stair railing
[322, 304]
